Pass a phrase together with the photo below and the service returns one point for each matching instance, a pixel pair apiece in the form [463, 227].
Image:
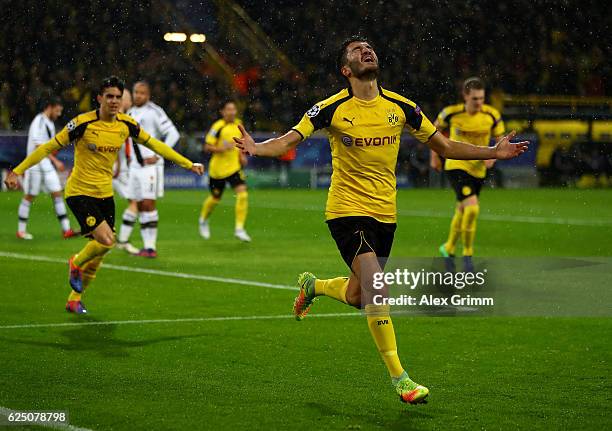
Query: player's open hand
[197, 168]
[504, 149]
[12, 181]
[246, 144]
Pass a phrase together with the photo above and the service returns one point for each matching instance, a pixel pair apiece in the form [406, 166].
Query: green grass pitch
[276, 373]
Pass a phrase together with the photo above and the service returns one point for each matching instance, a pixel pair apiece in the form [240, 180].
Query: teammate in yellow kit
[225, 166]
[364, 123]
[97, 137]
[475, 122]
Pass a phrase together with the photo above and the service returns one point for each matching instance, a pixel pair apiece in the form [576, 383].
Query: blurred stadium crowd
[426, 49]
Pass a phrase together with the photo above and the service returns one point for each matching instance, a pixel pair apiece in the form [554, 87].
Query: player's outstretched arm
[503, 149]
[168, 153]
[34, 158]
[271, 148]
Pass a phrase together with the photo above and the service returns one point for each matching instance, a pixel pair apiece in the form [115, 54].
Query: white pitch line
[183, 320]
[54, 425]
[153, 271]
[489, 217]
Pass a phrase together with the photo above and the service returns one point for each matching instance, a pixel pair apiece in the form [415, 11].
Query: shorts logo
[71, 125]
[466, 190]
[92, 147]
[313, 112]
[347, 141]
[91, 220]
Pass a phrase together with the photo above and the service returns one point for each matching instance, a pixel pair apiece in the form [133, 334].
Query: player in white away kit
[146, 171]
[121, 173]
[43, 175]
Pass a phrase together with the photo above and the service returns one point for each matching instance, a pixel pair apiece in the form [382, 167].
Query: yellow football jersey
[475, 129]
[96, 147]
[227, 163]
[364, 137]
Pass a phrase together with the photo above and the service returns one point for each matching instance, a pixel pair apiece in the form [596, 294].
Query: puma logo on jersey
[349, 121]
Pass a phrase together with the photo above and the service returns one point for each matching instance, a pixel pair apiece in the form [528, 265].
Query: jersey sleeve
[442, 119]
[167, 153]
[305, 128]
[38, 155]
[418, 124]
[212, 137]
[498, 128]
[72, 131]
[314, 119]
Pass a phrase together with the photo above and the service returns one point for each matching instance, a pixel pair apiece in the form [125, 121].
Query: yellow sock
[242, 207]
[455, 231]
[92, 249]
[89, 274]
[208, 206]
[334, 288]
[74, 296]
[468, 228]
[381, 328]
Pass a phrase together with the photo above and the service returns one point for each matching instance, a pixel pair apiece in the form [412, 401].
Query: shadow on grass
[410, 419]
[99, 338]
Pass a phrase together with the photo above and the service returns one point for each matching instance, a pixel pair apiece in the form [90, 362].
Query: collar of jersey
[366, 102]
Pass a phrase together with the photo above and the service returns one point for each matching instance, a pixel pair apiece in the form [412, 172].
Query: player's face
[56, 112]
[474, 100]
[126, 101]
[141, 94]
[229, 112]
[362, 60]
[110, 100]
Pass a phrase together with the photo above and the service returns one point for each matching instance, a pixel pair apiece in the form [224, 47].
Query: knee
[146, 206]
[107, 240]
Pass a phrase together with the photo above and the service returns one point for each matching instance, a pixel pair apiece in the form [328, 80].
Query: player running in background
[225, 166]
[364, 123]
[97, 136]
[44, 174]
[146, 170]
[475, 122]
[121, 175]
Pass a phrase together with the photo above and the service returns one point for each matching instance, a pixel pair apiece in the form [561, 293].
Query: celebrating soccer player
[364, 123]
[44, 174]
[225, 167]
[97, 136]
[474, 122]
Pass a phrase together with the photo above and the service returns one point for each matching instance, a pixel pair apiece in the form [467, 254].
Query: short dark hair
[227, 102]
[51, 101]
[473, 83]
[143, 82]
[341, 59]
[110, 82]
